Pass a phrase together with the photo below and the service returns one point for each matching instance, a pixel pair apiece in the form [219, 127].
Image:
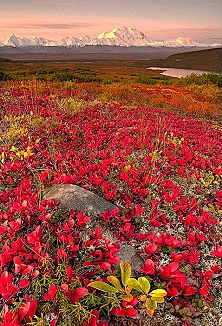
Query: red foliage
[161, 170]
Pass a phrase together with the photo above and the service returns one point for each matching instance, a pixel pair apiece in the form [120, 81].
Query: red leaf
[134, 301]
[61, 253]
[176, 257]
[216, 269]
[204, 290]
[165, 272]
[218, 251]
[64, 287]
[32, 310]
[208, 275]
[173, 266]
[117, 311]
[130, 312]
[6, 278]
[69, 271]
[190, 291]
[51, 293]
[28, 310]
[104, 266]
[172, 291]
[80, 293]
[77, 294]
[149, 267]
[53, 322]
[82, 219]
[24, 283]
[151, 249]
[27, 269]
[24, 310]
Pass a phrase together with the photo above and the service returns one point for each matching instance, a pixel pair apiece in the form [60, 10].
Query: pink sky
[159, 19]
[48, 28]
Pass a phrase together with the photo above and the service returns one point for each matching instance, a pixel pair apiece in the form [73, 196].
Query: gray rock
[129, 254]
[82, 200]
[78, 199]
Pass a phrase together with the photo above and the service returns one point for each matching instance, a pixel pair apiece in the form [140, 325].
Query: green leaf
[151, 304]
[134, 284]
[145, 284]
[125, 272]
[102, 286]
[115, 282]
[158, 293]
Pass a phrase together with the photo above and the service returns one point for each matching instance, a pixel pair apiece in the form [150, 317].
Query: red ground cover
[163, 172]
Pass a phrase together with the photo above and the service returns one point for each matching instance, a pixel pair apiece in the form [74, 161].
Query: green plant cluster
[205, 79]
[123, 291]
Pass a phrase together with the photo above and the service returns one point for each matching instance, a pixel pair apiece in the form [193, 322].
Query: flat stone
[78, 199]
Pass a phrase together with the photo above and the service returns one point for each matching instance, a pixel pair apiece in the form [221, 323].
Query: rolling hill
[209, 60]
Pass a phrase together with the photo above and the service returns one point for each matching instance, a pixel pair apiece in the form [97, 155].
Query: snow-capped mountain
[182, 42]
[123, 36]
[120, 36]
[74, 41]
[16, 41]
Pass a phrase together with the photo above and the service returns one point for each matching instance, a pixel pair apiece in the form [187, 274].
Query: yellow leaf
[28, 149]
[158, 299]
[134, 284]
[158, 293]
[102, 286]
[115, 282]
[14, 149]
[151, 304]
[3, 157]
[125, 272]
[127, 167]
[145, 284]
[37, 140]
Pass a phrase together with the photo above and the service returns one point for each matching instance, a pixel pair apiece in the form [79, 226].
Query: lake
[176, 72]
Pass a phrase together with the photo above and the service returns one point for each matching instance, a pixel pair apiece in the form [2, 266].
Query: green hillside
[209, 60]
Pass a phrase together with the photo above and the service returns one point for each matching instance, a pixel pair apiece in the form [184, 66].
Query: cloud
[191, 30]
[53, 25]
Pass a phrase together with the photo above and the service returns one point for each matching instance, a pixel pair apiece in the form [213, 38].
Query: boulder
[82, 200]
[78, 199]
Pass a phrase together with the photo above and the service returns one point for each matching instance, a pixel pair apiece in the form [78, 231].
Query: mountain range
[120, 36]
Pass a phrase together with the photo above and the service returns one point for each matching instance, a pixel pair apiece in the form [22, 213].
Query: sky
[159, 19]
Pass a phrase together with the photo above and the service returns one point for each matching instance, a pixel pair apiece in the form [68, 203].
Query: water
[176, 72]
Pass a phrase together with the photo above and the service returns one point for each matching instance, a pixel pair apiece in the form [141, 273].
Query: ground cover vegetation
[104, 72]
[152, 150]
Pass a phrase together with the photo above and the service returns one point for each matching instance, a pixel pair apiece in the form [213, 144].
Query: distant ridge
[209, 60]
[119, 36]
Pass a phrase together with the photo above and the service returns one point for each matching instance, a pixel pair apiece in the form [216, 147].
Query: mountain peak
[12, 36]
[124, 36]
[122, 29]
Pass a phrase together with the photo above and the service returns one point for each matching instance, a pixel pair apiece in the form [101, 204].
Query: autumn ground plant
[157, 158]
